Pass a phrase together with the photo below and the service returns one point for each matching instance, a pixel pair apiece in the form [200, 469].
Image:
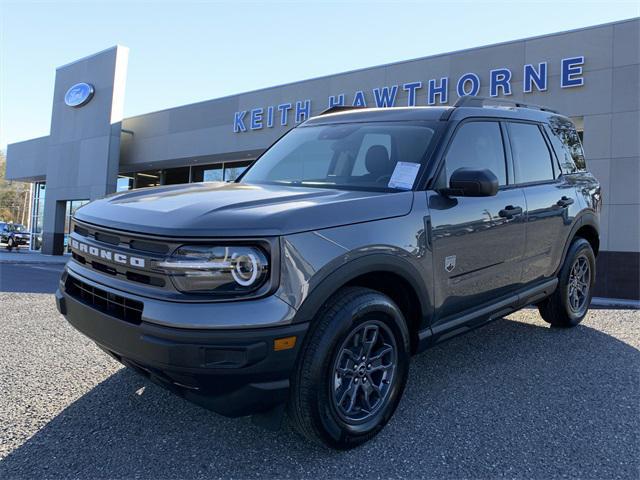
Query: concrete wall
[205, 128]
[84, 144]
[28, 160]
[612, 140]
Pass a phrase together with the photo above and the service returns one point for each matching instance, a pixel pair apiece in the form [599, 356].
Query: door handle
[510, 211]
[564, 202]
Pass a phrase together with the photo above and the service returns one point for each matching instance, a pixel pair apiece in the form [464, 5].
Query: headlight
[217, 269]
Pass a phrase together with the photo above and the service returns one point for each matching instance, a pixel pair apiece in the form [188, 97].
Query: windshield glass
[354, 155]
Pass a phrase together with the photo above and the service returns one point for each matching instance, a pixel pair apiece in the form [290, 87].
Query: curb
[615, 303]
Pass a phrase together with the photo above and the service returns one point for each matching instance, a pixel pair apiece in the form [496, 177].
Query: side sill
[469, 320]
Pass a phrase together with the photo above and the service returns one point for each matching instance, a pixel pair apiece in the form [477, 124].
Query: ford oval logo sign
[79, 94]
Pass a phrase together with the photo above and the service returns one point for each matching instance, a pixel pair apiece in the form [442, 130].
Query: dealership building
[590, 74]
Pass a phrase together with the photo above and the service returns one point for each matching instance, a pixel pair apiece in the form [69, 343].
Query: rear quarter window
[531, 156]
[566, 144]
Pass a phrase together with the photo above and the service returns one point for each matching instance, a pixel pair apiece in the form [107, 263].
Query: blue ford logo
[79, 94]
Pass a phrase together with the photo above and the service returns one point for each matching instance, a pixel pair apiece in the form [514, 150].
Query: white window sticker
[404, 175]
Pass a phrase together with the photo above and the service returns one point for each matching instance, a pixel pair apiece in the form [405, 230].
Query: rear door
[478, 242]
[550, 199]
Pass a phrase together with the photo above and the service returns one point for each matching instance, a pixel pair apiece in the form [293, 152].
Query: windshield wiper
[303, 182]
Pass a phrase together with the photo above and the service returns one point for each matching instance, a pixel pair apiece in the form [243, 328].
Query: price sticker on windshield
[404, 175]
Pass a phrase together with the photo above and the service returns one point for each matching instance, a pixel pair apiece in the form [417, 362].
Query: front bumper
[234, 372]
[20, 241]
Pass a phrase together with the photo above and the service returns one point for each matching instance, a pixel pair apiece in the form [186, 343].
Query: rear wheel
[568, 305]
[352, 371]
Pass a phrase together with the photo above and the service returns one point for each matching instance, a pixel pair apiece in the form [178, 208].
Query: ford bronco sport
[360, 238]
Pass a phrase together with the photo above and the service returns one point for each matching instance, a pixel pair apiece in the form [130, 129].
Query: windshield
[356, 155]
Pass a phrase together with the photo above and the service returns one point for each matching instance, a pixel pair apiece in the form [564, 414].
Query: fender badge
[450, 263]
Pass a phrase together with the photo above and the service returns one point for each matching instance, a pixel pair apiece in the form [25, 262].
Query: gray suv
[360, 238]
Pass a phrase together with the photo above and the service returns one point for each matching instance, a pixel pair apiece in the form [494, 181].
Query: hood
[239, 209]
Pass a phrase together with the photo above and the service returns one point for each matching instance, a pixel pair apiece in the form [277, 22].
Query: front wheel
[10, 244]
[352, 370]
[568, 305]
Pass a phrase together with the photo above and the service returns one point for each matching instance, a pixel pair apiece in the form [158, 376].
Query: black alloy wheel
[352, 369]
[569, 303]
[363, 372]
[579, 283]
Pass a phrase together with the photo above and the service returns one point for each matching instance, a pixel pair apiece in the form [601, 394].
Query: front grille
[106, 238]
[146, 279]
[104, 268]
[81, 231]
[133, 276]
[78, 258]
[105, 265]
[106, 302]
[151, 247]
[122, 239]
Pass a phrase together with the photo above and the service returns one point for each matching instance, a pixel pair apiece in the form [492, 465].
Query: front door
[478, 242]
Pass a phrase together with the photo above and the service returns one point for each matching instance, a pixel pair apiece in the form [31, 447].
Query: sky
[188, 51]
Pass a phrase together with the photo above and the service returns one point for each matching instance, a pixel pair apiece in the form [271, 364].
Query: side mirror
[472, 182]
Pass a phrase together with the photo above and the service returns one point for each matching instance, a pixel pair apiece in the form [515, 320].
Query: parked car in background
[13, 235]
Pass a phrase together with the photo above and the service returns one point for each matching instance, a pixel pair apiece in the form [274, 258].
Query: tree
[14, 197]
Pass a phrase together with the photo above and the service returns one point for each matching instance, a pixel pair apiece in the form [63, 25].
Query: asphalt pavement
[29, 277]
[514, 399]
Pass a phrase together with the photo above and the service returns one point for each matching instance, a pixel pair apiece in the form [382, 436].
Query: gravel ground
[514, 399]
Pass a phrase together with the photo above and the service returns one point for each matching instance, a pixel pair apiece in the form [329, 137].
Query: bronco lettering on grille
[107, 254]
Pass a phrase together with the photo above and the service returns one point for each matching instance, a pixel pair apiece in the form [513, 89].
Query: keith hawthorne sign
[433, 92]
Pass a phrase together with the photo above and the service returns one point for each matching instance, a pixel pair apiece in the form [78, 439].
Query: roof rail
[340, 108]
[473, 101]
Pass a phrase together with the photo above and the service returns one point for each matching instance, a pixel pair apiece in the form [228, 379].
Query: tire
[10, 244]
[335, 345]
[569, 303]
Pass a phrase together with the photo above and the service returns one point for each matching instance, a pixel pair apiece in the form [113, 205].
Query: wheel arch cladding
[585, 226]
[392, 276]
[590, 234]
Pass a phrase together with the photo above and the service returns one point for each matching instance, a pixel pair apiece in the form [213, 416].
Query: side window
[567, 145]
[477, 145]
[531, 156]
